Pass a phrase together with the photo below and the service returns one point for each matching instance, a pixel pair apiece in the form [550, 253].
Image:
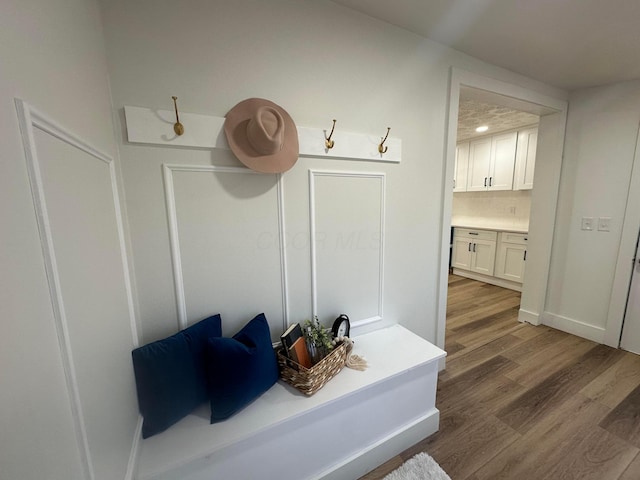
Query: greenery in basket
[318, 338]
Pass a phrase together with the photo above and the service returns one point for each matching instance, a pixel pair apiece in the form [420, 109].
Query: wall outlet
[512, 210]
[604, 224]
[587, 223]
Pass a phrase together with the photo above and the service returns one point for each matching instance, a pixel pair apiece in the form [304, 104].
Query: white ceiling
[569, 44]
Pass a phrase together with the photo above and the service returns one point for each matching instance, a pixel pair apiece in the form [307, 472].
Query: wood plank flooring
[519, 402]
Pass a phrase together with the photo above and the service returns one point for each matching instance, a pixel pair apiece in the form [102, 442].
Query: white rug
[420, 467]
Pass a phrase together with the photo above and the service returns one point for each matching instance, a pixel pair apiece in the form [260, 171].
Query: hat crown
[265, 130]
[262, 135]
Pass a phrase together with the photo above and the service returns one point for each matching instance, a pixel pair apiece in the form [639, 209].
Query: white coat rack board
[155, 127]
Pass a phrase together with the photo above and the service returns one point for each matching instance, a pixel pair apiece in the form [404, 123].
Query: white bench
[350, 426]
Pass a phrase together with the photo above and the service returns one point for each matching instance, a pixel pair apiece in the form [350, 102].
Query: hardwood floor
[519, 402]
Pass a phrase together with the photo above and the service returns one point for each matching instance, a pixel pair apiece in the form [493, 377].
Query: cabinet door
[510, 262]
[461, 257]
[525, 159]
[483, 256]
[460, 168]
[503, 157]
[479, 162]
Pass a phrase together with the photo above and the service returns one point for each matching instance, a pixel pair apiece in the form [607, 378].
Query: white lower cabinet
[511, 256]
[495, 256]
[484, 256]
[461, 255]
[474, 250]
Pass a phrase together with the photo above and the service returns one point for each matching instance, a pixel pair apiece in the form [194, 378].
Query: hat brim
[235, 129]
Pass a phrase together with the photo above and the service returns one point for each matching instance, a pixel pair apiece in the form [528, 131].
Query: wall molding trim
[174, 237]
[134, 455]
[29, 119]
[313, 174]
[155, 127]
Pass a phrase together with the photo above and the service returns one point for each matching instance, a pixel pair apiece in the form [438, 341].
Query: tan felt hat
[262, 135]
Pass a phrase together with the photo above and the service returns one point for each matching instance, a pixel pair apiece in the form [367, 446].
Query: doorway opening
[493, 181]
[467, 88]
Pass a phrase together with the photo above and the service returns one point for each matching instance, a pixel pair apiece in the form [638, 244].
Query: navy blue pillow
[170, 375]
[240, 369]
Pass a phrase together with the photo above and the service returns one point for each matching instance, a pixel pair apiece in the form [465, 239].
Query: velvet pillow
[170, 375]
[240, 369]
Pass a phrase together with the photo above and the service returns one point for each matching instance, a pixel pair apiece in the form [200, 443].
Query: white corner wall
[67, 402]
[602, 128]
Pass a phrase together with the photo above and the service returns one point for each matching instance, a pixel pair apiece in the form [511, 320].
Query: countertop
[495, 227]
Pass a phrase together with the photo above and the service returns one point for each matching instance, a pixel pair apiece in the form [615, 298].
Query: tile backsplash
[500, 209]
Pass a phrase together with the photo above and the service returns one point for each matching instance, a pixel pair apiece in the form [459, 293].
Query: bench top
[388, 351]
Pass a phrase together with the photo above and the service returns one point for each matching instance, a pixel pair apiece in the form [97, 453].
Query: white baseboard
[442, 364]
[574, 327]
[528, 317]
[499, 282]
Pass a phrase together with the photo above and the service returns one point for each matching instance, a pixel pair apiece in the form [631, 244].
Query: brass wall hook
[177, 127]
[381, 147]
[327, 140]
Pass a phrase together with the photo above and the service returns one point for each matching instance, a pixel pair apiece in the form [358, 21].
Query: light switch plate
[604, 224]
[587, 223]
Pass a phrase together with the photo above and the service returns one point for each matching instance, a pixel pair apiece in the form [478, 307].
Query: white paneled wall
[226, 242]
[68, 408]
[82, 237]
[347, 248]
[227, 227]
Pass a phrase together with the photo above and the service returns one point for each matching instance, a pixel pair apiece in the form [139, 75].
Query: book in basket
[295, 347]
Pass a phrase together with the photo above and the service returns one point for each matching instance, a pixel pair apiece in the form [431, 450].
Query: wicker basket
[310, 380]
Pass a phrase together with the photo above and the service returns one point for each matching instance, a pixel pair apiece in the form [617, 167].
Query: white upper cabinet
[500, 162]
[503, 154]
[525, 159]
[461, 167]
[491, 162]
[479, 162]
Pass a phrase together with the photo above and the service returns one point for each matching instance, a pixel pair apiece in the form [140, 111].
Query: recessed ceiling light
[481, 129]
